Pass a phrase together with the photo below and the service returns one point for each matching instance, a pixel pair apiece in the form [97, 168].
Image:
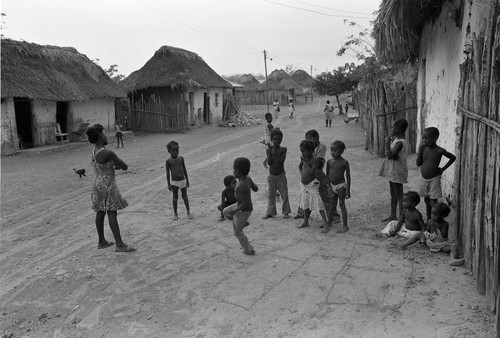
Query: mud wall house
[44, 85]
[457, 47]
[173, 89]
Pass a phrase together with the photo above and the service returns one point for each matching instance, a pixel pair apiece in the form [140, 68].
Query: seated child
[227, 197]
[410, 224]
[436, 236]
[310, 199]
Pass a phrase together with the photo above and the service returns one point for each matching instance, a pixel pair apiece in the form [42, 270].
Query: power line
[317, 12]
[332, 9]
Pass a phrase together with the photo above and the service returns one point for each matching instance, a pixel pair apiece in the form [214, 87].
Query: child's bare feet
[103, 245]
[246, 224]
[286, 216]
[176, 217]
[221, 219]
[389, 218]
[325, 229]
[457, 262]
[343, 229]
[125, 248]
[190, 216]
[303, 225]
[267, 216]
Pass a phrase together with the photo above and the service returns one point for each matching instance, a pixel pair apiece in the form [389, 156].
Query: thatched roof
[279, 80]
[248, 80]
[398, 27]
[175, 68]
[52, 73]
[303, 78]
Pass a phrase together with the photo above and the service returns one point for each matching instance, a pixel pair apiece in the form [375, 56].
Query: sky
[230, 35]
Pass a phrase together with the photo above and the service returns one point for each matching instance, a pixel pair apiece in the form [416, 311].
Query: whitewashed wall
[10, 141]
[442, 48]
[100, 111]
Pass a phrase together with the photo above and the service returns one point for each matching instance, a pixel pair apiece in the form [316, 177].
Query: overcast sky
[230, 35]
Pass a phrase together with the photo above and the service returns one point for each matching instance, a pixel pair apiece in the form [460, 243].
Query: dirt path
[190, 278]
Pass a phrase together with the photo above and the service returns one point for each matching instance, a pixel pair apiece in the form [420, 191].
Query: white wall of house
[216, 97]
[442, 47]
[10, 141]
[100, 111]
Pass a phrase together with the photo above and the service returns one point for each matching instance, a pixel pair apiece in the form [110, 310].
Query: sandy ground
[189, 278]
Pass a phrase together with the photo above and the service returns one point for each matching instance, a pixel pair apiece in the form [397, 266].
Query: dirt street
[189, 278]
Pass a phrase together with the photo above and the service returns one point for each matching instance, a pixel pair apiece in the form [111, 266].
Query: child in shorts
[176, 168]
[227, 196]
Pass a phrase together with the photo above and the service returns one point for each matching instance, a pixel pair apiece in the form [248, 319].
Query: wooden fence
[379, 104]
[477, 179]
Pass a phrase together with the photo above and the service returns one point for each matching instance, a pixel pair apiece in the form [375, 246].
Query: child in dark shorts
[227, 197]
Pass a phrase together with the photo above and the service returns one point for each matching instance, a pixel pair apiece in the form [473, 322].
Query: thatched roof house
[180, 80]
[303, 78]
[52, 73]
[44, 85]
[248, 80]
[279, 80]
[175, 68]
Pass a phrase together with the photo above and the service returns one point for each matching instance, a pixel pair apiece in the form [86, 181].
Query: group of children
[405, 220]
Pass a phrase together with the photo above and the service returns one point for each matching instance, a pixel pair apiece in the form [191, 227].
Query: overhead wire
[317, 12]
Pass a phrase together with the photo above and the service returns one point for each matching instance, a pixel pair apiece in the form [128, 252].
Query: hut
[173, 90]
[306, 81]
[281, 86]
[456, 45]
[45, 85]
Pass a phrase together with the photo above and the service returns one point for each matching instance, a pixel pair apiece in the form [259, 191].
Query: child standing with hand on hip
[339, 174]
[428, 159]
[176, 168]
[395, 166]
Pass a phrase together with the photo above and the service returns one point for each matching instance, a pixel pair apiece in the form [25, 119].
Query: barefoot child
[176, 168]
[428, 159]
[276, 156]
[339, 175]
[436, 236]
[106, 198]
[325, 191]
[291, 108]
[242, 209]
[310, 199]
[395, 166]
[328, 114]
[119, 135]
[269, 129]
[410, 224]
[276, 107]
[227, 197]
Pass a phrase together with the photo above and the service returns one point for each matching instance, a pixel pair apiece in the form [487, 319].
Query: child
[176, 168]
[436, 236]
[410, 224]
[310, 199]
[328, 114]
[325, 191]
[241, 210]
[291, 108]
[269, 129]
[395, 166]
[428, 159]
[276, 107]
[227, 197]
[339, 175]
[276, 156]
[106, 198]
[119, 135]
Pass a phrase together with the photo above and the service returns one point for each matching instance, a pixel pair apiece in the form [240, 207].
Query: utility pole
[267, 83]
[311, 83]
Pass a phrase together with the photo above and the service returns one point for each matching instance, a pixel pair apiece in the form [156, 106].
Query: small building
[173, 89]
[45, 85]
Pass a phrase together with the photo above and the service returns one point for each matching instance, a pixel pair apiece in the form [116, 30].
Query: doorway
[24, 121]
[206, 108]
[191, 107]
[62, 115]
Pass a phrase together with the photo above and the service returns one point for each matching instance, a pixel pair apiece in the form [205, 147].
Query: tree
[113, 73]
[2, 25]
[290, 69]
[336, 82]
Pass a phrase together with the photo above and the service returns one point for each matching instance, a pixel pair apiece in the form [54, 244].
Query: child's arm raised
[167, 169]
[451, 158]
[392, 154]
[185, 172]
[348, 178]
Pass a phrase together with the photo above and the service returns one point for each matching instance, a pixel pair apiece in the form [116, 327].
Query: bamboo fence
[477, 180]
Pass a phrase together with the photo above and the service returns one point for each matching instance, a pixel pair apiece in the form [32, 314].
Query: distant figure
[291, 108]
[276, 107]
[395, 166]
[176, 168]
[346, 107]
[328, 114]
[227, 197]
[119, 135]
[242, 209]
[428, 159]
[106, 198]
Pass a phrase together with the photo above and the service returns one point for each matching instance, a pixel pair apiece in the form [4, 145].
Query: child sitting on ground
[310, 199]
[410, 224]
[436, 236]
[339, 175]
[227, 197]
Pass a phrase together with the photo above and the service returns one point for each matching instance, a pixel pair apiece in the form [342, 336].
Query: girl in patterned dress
[106, 197]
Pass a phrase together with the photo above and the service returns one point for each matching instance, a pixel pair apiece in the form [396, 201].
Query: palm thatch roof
[279, 80]
[248, 80]
[52, 73]
[399, 25]
[303, 78]
[175, 68]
